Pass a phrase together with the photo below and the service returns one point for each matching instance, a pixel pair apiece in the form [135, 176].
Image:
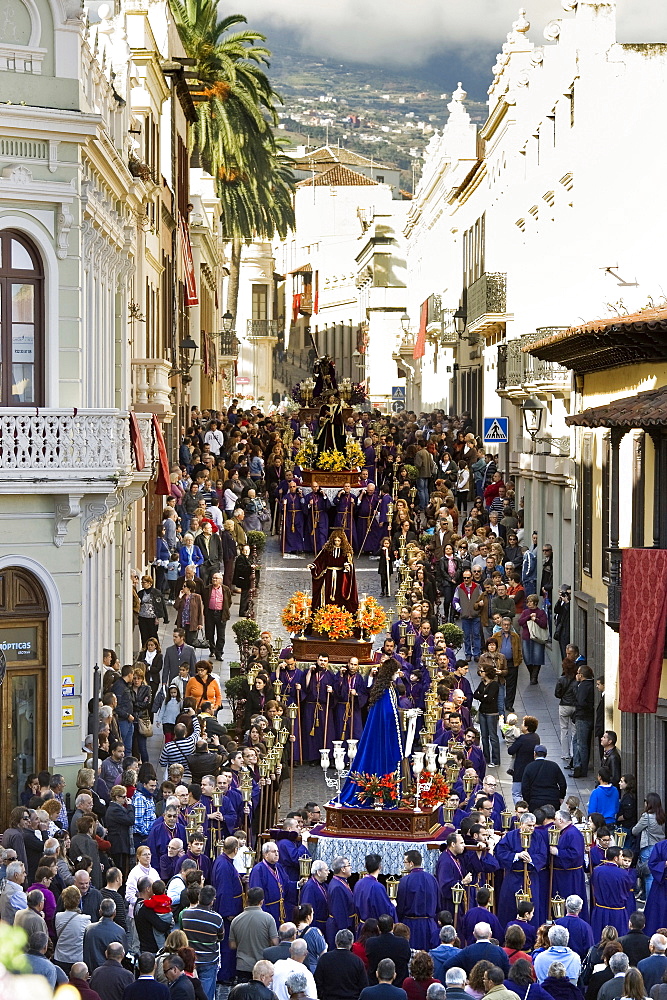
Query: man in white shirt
[295, 963]
[214, 512]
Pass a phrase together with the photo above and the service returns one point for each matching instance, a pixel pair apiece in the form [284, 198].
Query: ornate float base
[387, 824]
[329, 479]
[308, 648]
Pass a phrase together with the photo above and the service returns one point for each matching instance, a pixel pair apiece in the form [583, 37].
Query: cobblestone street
[280, 577]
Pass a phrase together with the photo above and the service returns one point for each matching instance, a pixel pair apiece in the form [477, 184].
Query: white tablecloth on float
[324, 848]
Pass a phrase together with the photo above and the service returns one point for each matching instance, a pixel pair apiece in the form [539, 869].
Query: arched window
[21, 321]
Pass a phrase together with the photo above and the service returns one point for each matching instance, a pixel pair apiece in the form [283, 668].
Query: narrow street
[281, 576]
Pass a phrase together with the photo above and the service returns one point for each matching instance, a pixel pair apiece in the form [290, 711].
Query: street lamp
[533, 412]
[188, 349]
[460, 318]
[405, 323]
[227, 322]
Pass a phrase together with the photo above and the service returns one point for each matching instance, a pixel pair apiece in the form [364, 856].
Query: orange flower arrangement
[371, 616]
[296, 613]
[337, 622]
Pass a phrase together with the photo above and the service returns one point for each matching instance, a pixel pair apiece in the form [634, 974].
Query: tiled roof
[338, 176]
[332, 154]
[611, 342]
[645, 409]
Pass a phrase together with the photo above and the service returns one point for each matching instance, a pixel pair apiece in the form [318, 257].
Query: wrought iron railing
[261, 328]
[229, 345]
[487, 297]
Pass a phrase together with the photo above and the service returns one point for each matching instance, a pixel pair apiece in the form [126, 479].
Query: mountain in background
[384, 113]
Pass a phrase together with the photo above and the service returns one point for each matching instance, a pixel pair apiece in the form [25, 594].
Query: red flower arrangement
[437, 792]
[384, 787]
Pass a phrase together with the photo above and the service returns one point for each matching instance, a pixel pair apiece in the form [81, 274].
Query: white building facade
[88, 349]
[538, 218]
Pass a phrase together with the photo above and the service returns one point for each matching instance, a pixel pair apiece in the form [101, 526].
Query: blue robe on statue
[380, 749]
[316, 528]
[292, 507]
[342, 911]
[448, 871]
[506, 848]
[279, 891]
[228, 903]
[569, 878]
[477, 915]
[656, 904]
[371, 899]
[317, 895]
[348, 722]
[159, 836]
[614, 901]
[416, 907]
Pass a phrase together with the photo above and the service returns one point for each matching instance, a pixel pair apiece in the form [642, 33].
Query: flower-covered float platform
[332, 630]
[377, 816]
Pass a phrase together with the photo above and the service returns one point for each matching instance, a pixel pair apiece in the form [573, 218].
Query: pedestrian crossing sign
[398, 392]
[496, 430]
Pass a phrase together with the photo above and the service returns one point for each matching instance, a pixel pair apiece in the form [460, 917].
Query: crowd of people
[180, 876]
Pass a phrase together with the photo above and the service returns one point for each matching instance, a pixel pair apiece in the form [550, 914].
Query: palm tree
[236, 115]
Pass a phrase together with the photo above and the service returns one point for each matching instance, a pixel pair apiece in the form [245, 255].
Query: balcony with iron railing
[545, 376]
[486, 303]
[257, 328]
[229, 345]
[521, 375]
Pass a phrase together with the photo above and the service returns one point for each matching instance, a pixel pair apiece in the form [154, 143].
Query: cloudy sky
[405, 33]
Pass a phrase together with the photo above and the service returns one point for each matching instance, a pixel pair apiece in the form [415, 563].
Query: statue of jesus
[332, 571]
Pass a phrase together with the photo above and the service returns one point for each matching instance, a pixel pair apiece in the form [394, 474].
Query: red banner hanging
[420, 345]
[191, 297]
[137, 443]
[163, 482]
[642, 629]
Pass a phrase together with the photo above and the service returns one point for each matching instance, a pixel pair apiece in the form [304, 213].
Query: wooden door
[24, 686]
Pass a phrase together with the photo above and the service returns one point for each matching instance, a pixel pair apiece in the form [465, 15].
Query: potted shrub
[453, 634]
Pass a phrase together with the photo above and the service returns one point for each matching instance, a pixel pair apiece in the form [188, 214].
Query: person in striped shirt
[204, 928]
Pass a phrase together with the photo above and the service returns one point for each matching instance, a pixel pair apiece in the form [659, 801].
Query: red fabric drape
[642, 628]
[420, 345]
[191, 297]
[137, 443]
[296, 306]
[163, 482]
